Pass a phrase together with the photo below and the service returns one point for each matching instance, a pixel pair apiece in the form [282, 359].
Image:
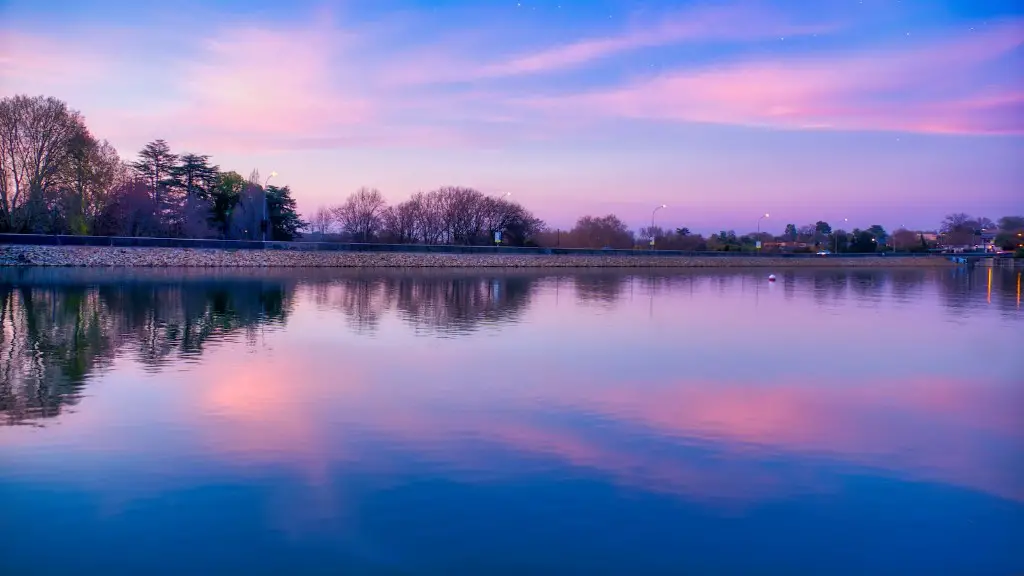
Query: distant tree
[155, 167]
[1011, 223]
[518, 226]
[1011, 232]
[599, 232]
[38, 136]
[93, 170]
[684, 231]
[839, 241]
[226, 194]
[647, 232]
[361, 216]
[197, 218]
[130, 211]
[193, 175]
[322, 221]
[878, 233]
[905, 239]
[822, 227]
[282, 214]
[863, 241]
[403, 222]
[791, 232]
[959, 229]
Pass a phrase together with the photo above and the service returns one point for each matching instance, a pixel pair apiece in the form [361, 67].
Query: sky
[858, 112]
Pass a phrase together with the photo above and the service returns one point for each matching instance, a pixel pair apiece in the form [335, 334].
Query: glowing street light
[836, 236]
[653, 214]
[265, 223]
[758, 245]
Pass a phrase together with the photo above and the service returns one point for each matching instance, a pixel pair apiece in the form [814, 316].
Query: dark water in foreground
[183, 422]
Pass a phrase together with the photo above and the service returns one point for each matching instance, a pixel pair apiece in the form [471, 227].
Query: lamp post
[758, 240]
[835, 235]
[902, 227]
[265, 223]
[653, 214]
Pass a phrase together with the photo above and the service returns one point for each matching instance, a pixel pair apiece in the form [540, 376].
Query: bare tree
[322, 221]
[36, 135]
[959, 229]
[604, 232]
[361, 215]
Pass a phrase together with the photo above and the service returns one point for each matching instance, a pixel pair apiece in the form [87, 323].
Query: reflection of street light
[653, 213]
[758, 240]
[265, 223]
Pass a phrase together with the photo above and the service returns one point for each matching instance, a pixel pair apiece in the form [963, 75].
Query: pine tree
[155, 166]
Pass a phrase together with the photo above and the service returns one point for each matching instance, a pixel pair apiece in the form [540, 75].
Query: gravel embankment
[12, 255]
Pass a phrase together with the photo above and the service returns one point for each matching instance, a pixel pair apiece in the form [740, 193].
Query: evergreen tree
[285, 222]
[194, 176]
[155, 166]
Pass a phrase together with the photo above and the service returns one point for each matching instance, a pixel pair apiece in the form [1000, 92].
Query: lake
[511, 422]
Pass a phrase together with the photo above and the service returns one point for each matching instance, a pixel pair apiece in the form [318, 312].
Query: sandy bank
[11, 255]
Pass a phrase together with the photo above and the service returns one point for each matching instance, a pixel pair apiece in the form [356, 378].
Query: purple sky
[881, 111]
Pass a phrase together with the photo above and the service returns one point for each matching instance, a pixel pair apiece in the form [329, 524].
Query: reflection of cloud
[698, 440]
[947, 431]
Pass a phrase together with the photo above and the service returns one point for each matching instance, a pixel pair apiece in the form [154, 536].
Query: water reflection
[560, 403]
[60, 326]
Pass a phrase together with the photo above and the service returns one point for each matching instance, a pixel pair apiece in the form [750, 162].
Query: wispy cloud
[703, 23]
[940, 87]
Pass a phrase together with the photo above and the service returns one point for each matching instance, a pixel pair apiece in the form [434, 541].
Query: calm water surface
[461, 422]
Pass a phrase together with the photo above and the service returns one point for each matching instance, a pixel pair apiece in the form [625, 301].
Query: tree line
[57, 178]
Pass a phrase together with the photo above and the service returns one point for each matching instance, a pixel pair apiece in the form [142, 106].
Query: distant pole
[653, 214]
[266, 224]
[758, 239]
[835, 234]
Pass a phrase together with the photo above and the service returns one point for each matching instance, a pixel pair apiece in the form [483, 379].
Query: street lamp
[836, 236]
[902, 227]
[653, 213]
[265, 223]
[758, 240]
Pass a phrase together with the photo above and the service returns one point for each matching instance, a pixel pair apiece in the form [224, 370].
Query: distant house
[786, 246]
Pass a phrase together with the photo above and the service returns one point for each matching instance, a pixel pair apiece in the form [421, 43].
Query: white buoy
[771, 277]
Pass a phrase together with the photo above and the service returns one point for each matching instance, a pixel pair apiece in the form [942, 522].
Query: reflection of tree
[436, 303]
[460, 305]
[602, 289]
[53, 337]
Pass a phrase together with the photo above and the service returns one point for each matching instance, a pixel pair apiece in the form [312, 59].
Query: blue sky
[880, 111]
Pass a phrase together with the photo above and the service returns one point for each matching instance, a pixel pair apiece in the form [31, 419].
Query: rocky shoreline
[76, 256]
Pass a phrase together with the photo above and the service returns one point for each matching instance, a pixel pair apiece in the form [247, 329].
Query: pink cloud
[895, 90]
[36, 62]
[706, 23]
